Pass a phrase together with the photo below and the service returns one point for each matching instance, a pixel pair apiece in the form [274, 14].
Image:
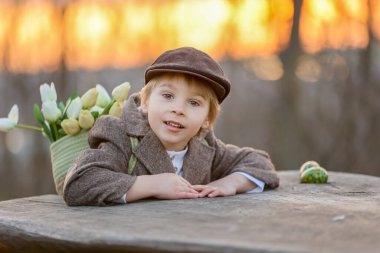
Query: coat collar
[152, 154]
[136, 121]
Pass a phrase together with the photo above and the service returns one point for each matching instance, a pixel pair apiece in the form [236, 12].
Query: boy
[177, 154]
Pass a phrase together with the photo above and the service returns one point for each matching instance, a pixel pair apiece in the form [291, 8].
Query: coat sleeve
[230, 158]
[99, 174]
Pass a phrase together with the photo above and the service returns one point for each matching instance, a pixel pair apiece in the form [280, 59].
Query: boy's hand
[215, 189]
[162, 186]
[171, 186]
[227, 186]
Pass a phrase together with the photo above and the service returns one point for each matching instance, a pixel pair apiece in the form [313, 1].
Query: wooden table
[341, 216]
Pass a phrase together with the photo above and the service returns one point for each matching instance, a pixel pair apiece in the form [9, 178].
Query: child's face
[176, 112]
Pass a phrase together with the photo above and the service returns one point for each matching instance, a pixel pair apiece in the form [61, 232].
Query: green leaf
[74, 95]
[64, 116]
[41, 121]
[108, 107]
[47, 131]
[95, 114]
[68, 102]
[38, 114]
[61, 133]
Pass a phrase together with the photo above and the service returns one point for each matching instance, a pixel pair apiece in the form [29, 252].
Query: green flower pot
[63, 152]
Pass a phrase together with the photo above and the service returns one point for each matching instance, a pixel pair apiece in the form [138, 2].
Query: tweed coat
[99, 174]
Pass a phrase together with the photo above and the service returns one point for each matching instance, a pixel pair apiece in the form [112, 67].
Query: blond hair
[207, 92]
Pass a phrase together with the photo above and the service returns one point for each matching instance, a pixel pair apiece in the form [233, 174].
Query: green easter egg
[307, 165]
[314, 175]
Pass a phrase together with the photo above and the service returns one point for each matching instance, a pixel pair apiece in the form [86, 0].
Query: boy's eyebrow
[165, 84]
[198, 95]
[201, 98]
[171, 86]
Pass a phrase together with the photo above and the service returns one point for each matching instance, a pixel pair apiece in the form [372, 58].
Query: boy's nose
[178, 108]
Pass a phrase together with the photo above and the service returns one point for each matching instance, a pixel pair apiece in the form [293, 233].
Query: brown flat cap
[188, 60]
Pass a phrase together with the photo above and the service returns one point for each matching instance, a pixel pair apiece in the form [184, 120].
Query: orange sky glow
[37, 35]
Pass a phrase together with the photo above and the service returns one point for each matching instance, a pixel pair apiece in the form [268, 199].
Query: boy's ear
[144, 107]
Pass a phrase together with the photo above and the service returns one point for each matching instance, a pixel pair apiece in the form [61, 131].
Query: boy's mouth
[174, 124]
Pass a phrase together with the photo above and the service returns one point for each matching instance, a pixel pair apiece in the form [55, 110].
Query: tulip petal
[121, 92]
[97, 109]
[103, 98]
[50, 111]
[48, 93]
[70, 126]
[53, 92]
[89, 98]
[74, 108]
[44, 90]
[6, 124]
[13, 114]
[86, 120]
[116, 110]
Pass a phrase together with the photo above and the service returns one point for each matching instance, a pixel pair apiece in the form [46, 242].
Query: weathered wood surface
[342, 216]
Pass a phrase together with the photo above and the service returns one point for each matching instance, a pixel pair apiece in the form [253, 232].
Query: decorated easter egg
[314, 175]
[308, 165]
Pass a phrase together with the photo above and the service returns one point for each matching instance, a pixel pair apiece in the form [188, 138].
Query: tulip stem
[54, 131]
[29, 127]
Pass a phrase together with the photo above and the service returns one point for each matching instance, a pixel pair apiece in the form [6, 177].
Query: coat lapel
[196, 165]
[197, 162]
[152, 155]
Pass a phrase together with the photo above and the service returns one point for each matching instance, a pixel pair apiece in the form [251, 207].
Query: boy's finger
[190, 189]
[199, 187]
[213, 194]
[187, 188]
[206, 192]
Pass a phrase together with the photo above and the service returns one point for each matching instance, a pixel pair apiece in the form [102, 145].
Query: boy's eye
[167, 95]
[194, 103]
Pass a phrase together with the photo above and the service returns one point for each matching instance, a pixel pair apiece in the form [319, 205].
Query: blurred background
[305, 74]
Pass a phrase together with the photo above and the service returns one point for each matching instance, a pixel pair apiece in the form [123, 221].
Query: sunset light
[6, 13]
[375, 17]
[89, 34]
[40, 35]
[258, 30]
[334, 24]
[205, 29]
[35, 37]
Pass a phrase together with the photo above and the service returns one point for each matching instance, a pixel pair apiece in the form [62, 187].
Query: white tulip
[50, 111]
[86, 120]
[6, 124]
[103, 98]
[48, 93]
[116, 110]
[97, 109]
[11, 121]
[89, 98]
[74, 108]
[70, 126]
[121, 91]
[13, 114]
